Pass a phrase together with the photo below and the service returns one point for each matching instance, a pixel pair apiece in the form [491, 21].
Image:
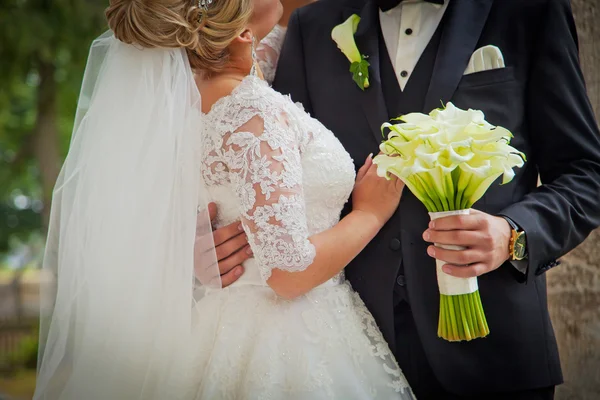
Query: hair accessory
[203, 6]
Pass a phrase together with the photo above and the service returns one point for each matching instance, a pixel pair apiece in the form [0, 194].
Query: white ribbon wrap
[451, 285]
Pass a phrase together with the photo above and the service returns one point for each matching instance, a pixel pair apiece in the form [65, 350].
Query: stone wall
[574, 287]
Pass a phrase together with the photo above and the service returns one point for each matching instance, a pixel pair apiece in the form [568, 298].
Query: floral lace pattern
[278, 162]
[268, 52]
[266, 161]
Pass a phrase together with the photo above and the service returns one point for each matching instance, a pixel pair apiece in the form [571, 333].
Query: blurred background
[43, 49]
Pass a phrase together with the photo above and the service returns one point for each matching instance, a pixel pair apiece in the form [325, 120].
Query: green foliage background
[43, 50]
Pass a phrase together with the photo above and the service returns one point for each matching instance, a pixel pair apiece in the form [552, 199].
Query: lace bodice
[268, 51]
[266, 162]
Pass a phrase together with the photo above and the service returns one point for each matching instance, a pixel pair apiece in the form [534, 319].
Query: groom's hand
[485, 238]
[231, 246]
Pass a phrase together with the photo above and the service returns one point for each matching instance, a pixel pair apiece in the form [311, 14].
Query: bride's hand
[374, 195]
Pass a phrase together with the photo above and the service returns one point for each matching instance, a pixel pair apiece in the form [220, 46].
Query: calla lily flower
[343, 36]
[448, 158]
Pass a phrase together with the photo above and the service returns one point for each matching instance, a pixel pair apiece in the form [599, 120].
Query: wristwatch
[517, 246]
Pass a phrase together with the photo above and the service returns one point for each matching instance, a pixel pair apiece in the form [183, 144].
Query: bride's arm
[334, 249]
[268, 50]
[264, 162]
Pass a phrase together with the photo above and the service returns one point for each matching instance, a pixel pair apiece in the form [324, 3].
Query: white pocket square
[485, 59]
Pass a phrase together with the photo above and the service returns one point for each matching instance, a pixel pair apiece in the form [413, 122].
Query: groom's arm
[565, 144]
[291, 70]
[565, 147]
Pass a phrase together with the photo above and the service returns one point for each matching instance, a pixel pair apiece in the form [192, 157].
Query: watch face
[520, 247]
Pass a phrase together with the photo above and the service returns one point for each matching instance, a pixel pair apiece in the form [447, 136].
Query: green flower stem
[448, 321]
[444, 202]
[476, 321]
[458, 191]
[458, 198]
[432, 194]
[426, 199]
[466, 324]
[459, 329]
[462, 318]
[469, 311]
[442, 320]
[478, 316]
[448, 318]
[443, 330]
[484, 329]
[452, 312]
[447, 191]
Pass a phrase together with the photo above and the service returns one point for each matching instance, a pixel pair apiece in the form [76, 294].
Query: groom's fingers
[232, 276]
[230, 247]
[475, 221]
[456, 238]
[235, 260]
[227, 233]
[456, 257]
[468, 271]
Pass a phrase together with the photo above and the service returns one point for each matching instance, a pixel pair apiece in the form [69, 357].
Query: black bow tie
[387, 5]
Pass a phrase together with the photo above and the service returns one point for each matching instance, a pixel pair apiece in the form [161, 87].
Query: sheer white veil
[128, 213]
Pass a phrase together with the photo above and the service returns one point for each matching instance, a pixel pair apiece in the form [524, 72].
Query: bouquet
[448, 159]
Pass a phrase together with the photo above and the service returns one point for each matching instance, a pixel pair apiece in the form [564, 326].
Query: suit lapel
[367, 41]
[463, 24]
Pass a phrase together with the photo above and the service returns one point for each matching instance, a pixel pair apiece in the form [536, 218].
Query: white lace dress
[268, 52]
[266, 162]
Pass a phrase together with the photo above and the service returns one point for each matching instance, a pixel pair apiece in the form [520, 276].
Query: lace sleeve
[268, 52]
[263, 159]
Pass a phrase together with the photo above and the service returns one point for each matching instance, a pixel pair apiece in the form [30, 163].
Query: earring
[253, 70]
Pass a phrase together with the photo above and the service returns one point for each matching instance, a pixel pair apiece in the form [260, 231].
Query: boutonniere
[343, 36]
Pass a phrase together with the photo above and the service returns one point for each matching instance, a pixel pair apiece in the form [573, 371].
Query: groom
[418, 53]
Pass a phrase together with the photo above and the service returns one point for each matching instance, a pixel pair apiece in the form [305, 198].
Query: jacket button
[400, 280]
[395, 244]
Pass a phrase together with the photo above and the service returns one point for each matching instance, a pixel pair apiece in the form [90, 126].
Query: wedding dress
[122, 317]
[266, 162]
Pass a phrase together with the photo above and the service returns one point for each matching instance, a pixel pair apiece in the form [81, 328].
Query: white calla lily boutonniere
[343, 36]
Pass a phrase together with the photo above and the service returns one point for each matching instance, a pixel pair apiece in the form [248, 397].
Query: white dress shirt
[407, 30]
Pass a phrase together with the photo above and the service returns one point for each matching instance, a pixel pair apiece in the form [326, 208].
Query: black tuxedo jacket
[541, 97]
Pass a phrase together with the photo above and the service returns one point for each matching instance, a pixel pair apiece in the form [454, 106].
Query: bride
[130, 225]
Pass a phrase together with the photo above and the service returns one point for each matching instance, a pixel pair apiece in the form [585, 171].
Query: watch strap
[512, 224]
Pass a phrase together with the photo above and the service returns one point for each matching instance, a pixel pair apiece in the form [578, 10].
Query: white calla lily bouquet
[448, 159]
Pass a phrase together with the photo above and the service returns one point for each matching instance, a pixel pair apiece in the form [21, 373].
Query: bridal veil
[130, 243]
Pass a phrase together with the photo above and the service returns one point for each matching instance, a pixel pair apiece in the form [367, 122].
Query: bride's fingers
[372, 169]
[363, 170]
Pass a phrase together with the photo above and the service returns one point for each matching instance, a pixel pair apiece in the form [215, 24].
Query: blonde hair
[181, 23]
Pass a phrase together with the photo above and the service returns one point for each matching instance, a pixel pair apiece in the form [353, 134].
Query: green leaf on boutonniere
[360, 72]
